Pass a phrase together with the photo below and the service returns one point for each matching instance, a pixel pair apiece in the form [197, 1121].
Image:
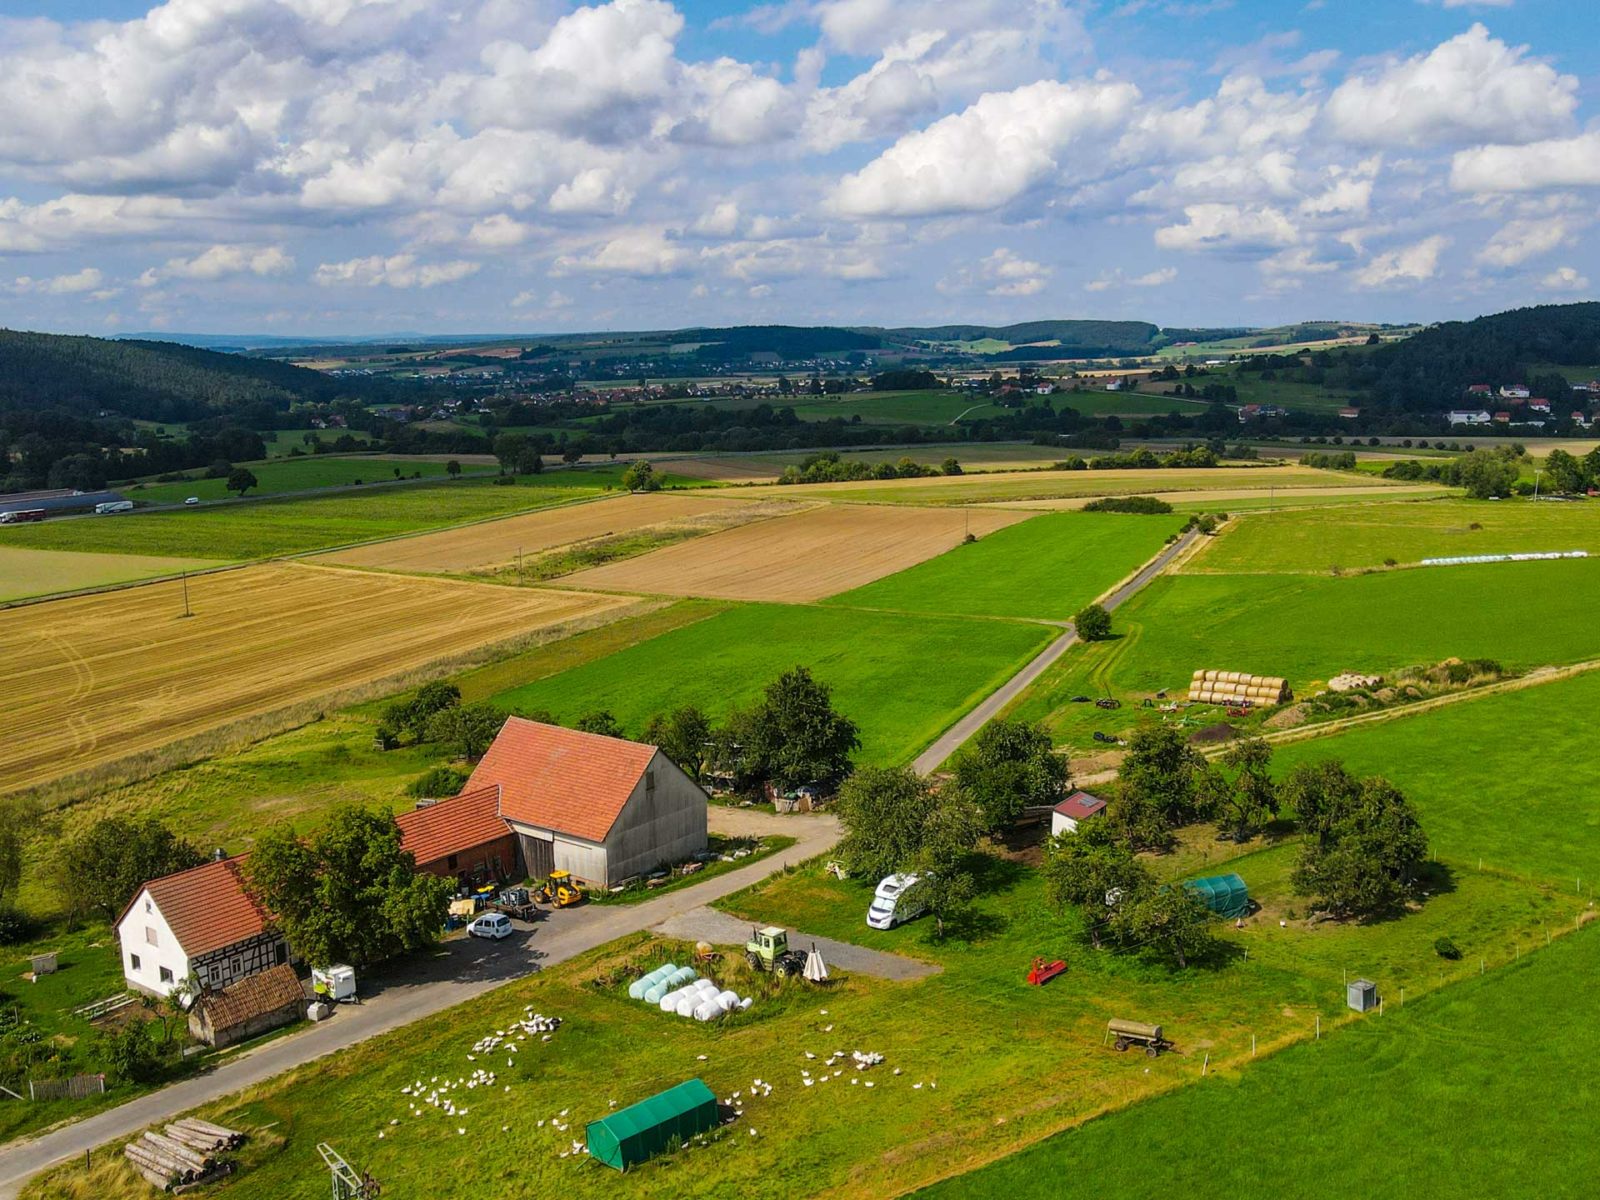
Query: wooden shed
[252, 1006]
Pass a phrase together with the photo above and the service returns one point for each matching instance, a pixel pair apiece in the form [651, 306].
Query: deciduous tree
[884, 812]
[1244, 803]
[1093, 623]
[682, 735]
[241, 480]
[1092, 871]
[99, 869]
[465, 729]
[1007, 767]
[799, 737]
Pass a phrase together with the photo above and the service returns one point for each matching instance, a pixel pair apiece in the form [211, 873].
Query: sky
[344, 167]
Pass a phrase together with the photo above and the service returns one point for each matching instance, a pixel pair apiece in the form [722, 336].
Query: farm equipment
[1109, 739]
[1043, 972]
[768, 950]
[1137, 1033]
[515, 902]
[1108, 702]
[560, 890]
[1238, 710]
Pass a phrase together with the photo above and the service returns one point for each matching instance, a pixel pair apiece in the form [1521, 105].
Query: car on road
[491, 925]
[889, 906]
[192, 500]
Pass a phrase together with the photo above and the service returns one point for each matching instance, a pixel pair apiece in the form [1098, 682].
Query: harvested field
[25, 573]
[495, 543]
[1281, 495]
[797, 558]
[104, 677]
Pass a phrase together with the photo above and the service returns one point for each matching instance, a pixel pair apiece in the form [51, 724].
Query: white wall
[146, 937]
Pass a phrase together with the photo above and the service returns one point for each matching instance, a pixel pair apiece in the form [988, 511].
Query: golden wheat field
[798, 558]
[496, 543]
[99, 678]
[26, 572]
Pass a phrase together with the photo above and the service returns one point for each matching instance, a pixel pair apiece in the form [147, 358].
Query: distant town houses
[1261, 412]
[1469, 416]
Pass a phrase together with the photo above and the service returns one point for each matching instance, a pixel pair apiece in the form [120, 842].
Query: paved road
[462, 970]
[935, 755]
[722, 929]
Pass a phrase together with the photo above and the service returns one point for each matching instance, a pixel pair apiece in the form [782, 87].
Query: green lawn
[892, 408]
[903, 679]
[1456, 1097]
[247, 531]
[290, 475]
[1355, 538]
[1047, 568]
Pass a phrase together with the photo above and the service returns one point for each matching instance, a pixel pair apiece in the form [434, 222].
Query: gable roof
[206, 907]
[255, 995]
[561, 779]
[1080, 805]
[451, 826]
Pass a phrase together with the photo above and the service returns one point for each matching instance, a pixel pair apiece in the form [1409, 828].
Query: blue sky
[361, 166]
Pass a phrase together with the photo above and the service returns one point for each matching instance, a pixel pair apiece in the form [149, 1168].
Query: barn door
[538, 855]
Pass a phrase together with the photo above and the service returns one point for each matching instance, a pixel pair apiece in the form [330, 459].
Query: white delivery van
[888, 909]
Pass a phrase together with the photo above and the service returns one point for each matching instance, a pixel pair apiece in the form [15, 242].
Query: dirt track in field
[100, 678]
[495, 543]
[798, 558]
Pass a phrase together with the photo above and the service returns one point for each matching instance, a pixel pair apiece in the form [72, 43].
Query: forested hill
[1432, 370]
[153, 381]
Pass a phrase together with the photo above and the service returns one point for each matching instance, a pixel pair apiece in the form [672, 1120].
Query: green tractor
[768, 950]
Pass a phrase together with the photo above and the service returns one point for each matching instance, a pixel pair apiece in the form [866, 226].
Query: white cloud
[1564, 279]
[987, 155]
[1010, 275]
[1116, 279]
[1556, 163]
[395, 271]
[1472, 88]
[1409, 264]
[639, 252]
[221, 262]
[87, 280]
[1519, 240]
[1228, 227]
[498, 232]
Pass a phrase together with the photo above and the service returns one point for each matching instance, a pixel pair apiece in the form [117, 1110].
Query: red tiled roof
[561, 779]
[1080, 805]
[452, 826]
[206, 907]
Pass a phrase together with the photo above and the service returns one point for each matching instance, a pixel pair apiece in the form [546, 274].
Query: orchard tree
[1168, 920]
[1246, 802]
[1007, 767]
[411, 715]
[599, 721]
[1093, 624]
[884, 812]
[682, 735]
[1364, 846]
[100, 868]
[1092, 871]
[799, 737]
[943, 863]
[465, 729]
[349, 893]
[241, 480]
[1161, 768]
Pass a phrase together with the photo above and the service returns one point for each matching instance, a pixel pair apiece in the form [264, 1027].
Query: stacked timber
[1237, 688]
[186, 1154]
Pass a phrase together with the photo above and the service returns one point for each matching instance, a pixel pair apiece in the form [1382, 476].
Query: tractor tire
[754, 959]
[1121, 1044]
[783, 968]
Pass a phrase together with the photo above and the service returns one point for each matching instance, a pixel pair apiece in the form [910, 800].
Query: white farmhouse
[200, 924]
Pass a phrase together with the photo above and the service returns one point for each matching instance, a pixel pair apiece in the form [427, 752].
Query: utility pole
[186, 611]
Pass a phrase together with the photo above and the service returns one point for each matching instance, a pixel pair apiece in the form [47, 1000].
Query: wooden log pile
[1237, 688]
[185, 1154]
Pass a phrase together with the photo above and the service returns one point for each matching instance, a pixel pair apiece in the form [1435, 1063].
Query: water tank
[1361, 995]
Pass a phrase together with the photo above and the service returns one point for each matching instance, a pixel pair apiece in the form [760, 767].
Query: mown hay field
[1358, 538]
[765, 468]
[797, 558]
[1046, 568]
[1227, 498]
[25, 573]
[102, 677]
[490, 544]
[1043, 485]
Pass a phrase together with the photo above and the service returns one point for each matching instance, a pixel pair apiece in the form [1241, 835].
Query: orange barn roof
[451, 826]
[206, 907]
[561, 779]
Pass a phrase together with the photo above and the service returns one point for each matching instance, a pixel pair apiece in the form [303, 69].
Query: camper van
[113, 506]
[887, 909]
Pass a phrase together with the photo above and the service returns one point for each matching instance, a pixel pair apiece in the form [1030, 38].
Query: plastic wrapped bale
[657, 990]
[707, 1010]
[644, 983]
[682, 976]
[746, 1002]
[669, 1002]
[686, 1003]
[706, 987]
[728, 1000]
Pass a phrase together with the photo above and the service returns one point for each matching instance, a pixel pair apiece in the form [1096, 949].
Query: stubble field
[99, 678]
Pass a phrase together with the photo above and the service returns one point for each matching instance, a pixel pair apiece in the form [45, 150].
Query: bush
[1093, 624]
[438, 783]
[1445, 948]
[1128, 504]
[17, 926]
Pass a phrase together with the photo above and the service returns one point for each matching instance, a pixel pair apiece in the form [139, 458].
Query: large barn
[602, 808]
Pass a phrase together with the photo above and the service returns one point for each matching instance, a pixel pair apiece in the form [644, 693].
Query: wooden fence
[78, 1087]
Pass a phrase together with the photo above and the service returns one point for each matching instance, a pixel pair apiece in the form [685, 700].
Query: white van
[886, 911]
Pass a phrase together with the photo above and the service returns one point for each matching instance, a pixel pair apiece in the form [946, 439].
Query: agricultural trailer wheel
[1152, 1050]
[1121, 1043]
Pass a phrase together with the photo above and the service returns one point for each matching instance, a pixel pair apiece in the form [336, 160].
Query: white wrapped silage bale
[686, 1003]
[707, 1010]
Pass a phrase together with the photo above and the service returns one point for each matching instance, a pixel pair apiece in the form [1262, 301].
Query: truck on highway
[113, 506]
[18, 515]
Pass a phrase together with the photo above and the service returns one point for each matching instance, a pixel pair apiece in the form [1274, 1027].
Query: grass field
[1355, 538]
[1253, 499]
[1390, 1108]
[892, 408]
[1102, 403]
[903, 679]
[761, 468]
[1045, 568]
[103, 677]
[489, 544]
[248, 531]
[25, 573]
[289, 475]
[802, 556]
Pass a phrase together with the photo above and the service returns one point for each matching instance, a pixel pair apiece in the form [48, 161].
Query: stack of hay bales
[1237, 688]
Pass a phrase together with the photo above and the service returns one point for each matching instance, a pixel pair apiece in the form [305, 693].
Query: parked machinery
[561, 890]
[768, 950]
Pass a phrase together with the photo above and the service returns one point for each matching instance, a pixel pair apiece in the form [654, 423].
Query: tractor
[768, 950]
[560, 890]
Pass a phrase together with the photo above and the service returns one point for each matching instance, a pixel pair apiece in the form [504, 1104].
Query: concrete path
[462, 969]
[934, 756]
[723, 929]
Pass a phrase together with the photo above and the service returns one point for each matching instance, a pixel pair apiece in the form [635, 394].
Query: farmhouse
[463, 838]
[1073, 811]
[1349, 414]
[198, 924]
[253, 1005]
[1470, 416]
[602, 808]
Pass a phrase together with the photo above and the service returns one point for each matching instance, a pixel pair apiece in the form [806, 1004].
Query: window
[235, 968]
[451, 862]
[133, 962]
[166, 974]
[149, 904]
[216, 972]
[150, 936]
[649, 782]
[282, 953]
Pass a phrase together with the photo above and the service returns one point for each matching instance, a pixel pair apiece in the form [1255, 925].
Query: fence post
[1252, 1045]
[1319, 1027]
[1204, 1066]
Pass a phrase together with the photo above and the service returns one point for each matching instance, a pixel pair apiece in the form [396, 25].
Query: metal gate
[538, 855]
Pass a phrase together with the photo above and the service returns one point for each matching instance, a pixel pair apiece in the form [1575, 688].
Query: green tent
[640, 1131]
[1225, 895]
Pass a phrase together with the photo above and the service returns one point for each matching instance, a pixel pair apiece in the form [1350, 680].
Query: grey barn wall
[665, 825]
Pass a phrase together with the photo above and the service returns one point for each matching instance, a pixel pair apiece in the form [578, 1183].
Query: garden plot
[802, 557]
[102, 677]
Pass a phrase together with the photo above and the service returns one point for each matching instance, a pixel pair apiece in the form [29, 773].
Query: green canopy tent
[631, 1135]
[1225, 895]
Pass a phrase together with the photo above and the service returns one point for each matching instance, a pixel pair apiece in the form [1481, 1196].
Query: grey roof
[56, 502]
